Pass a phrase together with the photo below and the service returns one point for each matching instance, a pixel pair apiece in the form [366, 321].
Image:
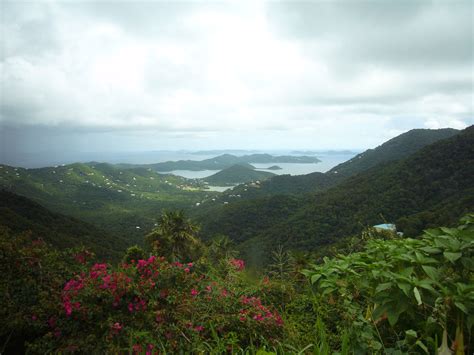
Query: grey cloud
[108, 72]
[420, 33]
[27, 29]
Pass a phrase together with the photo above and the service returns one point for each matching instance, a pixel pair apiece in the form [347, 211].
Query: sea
[329, 159]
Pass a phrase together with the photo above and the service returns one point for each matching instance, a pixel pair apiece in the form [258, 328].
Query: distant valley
[302, 211]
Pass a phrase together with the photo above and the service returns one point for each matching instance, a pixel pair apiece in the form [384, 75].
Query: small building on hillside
[386, 227]
[390, 227]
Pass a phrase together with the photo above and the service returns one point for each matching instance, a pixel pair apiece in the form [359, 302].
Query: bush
[155, 304]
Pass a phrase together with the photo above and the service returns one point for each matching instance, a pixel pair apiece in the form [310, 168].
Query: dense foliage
[20, 214]
[396, 148]
[404, 293]
[124, 202]
[395, 295]
[186, 289]
[430, 187]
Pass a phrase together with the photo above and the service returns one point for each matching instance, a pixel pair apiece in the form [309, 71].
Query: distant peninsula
[236, 174]
[274, 167]
[224, 161]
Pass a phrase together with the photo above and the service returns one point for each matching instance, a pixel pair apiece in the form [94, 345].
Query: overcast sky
[131, 75]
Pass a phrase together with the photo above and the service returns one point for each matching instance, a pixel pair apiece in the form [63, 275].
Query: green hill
[397, 148]
[126, 202]
[433, 186]
[394, 149]
[20, 214]
[237, 174]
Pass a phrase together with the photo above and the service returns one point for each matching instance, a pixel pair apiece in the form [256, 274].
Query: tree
[175, 237]
[134, 253]
[221, 247]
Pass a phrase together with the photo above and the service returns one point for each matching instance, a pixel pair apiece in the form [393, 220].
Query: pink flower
[149, 349]
[68, 308]
[130, 307]
[194, 292]
[199, 328]
[238, 264]
[116, 328]
[186, 270]
[190, 264]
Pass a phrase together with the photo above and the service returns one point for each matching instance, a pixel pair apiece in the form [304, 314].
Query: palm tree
[221, 247]
[175, 236]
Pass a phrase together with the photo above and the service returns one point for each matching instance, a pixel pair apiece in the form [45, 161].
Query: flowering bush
[153, 304]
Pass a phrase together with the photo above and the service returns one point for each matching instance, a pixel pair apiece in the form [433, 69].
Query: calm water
[327, 163]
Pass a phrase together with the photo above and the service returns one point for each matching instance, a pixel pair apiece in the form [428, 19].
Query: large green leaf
[452, 256]
[461, 306]
[431, 271]
[405, 287]
[417, 296]
[315, 278]
[383, 287]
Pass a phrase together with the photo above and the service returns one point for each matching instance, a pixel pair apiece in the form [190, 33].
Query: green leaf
[468, 263]
[462, 307]
[426, 284]
[431, 271]
[411, 333]
[407, 271]
[452, 256]
[423, 346]
[315, 278]
[417, 296]
[392, 317]
[431, 250]
[404, 287]
[383, 287]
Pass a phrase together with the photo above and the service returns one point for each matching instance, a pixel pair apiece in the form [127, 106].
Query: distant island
[274, 167]
[236, 174]
[224, 161]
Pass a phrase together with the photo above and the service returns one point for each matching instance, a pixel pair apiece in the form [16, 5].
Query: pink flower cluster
[138, 304]
[71, 288]
[257, 311]
[138, 349]
[238, 264]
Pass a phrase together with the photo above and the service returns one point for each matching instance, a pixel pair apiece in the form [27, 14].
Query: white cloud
[220, 69]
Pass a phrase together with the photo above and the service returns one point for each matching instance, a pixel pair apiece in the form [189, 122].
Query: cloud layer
[297, 74]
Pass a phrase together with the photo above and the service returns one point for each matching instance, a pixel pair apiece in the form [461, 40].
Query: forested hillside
[20, 214]
[434, 183]
[396, 148]
[126, 202]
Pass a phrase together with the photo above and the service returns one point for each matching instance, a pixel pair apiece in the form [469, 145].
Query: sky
[86, 76]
